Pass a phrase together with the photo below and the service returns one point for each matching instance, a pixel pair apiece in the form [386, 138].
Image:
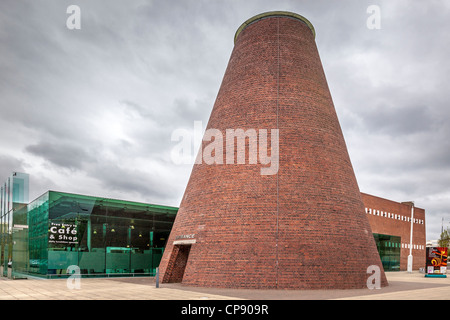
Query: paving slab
[402, 286]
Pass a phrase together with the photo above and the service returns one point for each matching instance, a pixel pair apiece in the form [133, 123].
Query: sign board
[63, 233]
[180, 242]
[19, 227]
[437, 260]
[184, 239]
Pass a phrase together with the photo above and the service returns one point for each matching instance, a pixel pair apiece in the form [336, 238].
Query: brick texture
[393, 218]
[302, 228]
[177, 263]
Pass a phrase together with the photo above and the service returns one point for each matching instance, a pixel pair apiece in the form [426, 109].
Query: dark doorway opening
[177, 263]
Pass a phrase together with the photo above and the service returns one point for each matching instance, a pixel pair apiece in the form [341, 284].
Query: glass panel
[38, 235]
[20, 241]
[389, 249]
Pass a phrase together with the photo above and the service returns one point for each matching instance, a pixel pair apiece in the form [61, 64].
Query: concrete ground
[402, 286]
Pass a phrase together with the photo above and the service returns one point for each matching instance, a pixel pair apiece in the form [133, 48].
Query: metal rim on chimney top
[274, 14]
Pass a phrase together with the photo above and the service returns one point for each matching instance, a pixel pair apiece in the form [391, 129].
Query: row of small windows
[403, 245]
[415, 246]
[393, 216]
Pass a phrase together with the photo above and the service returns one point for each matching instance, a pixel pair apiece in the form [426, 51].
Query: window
[389, 250]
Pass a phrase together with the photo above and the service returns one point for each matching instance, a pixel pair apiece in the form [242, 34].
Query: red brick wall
[304, 227]
[393, 218]
[177, 264]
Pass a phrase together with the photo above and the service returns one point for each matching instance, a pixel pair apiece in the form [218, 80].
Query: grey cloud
[146, 68]
[8, 164]
[62, 155]
[394, 120]
[151, 186]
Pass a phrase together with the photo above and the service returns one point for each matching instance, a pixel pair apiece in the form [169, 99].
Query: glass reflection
[104, 237]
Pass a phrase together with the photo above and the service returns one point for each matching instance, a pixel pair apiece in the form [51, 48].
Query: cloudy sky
[92, 111]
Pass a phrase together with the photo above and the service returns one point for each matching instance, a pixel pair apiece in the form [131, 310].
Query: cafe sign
[63, 233]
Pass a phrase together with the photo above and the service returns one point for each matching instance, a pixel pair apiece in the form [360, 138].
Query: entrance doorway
[177, 264]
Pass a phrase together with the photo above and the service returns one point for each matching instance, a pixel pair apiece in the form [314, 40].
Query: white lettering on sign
[63, 233]
[185, 236]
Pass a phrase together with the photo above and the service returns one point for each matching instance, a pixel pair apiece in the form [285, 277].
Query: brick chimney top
[274, 14]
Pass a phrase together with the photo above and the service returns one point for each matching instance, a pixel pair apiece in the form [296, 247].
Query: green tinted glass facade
[102, 237]
[389, 249]
[13, 200]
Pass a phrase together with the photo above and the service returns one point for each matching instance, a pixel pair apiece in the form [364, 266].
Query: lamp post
[410, 257]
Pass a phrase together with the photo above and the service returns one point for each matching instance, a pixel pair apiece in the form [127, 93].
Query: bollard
[157, 277]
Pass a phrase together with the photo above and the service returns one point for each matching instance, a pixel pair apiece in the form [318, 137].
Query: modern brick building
[301, 227]
[391, 225]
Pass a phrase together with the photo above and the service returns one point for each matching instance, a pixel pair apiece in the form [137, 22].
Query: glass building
[102, 237]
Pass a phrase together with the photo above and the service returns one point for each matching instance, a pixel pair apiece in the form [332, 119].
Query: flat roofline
[402, 203]
[274, 14]
[157, 206]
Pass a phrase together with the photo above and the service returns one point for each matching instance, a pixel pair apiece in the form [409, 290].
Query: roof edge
[274, 14]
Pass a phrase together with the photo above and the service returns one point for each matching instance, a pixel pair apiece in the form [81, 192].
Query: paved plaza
[402, 286]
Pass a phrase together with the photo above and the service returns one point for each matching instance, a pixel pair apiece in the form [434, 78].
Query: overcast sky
[92, 111]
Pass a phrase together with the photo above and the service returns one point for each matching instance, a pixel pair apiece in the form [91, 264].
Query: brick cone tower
[302, 226]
